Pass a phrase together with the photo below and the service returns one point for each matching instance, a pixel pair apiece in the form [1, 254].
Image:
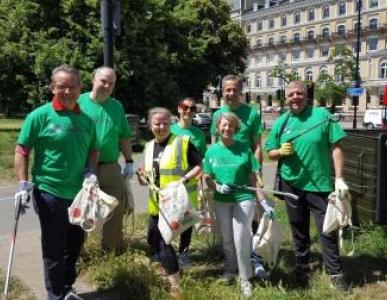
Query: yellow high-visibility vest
[173, 165]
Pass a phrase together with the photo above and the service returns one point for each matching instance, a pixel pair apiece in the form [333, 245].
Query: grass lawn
[8, 124]
[132, 276]
[7, 152]
[16, 290]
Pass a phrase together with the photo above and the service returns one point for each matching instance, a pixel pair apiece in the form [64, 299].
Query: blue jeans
[61, 243]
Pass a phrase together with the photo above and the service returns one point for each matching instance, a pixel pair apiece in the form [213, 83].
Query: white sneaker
[72, 295]
[246, 289]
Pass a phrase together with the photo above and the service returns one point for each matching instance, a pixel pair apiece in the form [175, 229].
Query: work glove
[269, 210]
[286, 149]
[223, 189]
[183, 179]
[341, 188]
[128, 170]
[258, 175]
[23, 196]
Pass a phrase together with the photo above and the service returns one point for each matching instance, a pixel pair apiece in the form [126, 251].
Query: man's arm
[258, 149]
[338, 159]
[93, 160]
[126, 148]
[21, 164]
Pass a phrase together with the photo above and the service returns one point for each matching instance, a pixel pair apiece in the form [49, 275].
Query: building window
[373, 24]
[309, 75]
[283, 39]
[248, 28]
[310, 35]
[281, 81]
[356, 6]
[283, 20]
[325, 33]
[355, 26]
[259, 43]
[325, 12]
[383, 70]
[271, 41]
[271, 23]
[270, 57]
[355, 47]
[323, 71]
[341, 8]
[282, 57]
[269, 81]
[311, 14]
[258, 80]
[259, 25]
[295, 55]
[248, 79]
[295, 74]
[309, 52]
[372, 44]
[259, 58]
[297, 18]
[373, 3]
[296, 37]
[341, 30]
[324, 51]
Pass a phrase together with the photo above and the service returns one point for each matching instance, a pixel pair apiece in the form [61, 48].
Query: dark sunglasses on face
[188, 108]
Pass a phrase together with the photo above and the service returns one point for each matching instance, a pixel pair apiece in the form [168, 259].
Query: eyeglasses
[62, 88]
[188, 108]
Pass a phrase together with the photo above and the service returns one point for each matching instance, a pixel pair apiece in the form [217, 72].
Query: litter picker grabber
[12, 250]
[334, 118]
[264, 190]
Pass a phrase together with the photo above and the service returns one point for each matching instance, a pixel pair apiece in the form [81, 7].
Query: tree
[332, 90]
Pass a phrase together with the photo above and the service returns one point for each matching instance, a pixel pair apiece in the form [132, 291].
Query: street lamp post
[355, 99]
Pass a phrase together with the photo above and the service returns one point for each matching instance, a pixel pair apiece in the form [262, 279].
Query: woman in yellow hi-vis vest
[168, 158]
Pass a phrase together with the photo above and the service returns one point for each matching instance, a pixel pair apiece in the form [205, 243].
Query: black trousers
[61, 243]
[165, 253]
[299, 218]
[185, 239]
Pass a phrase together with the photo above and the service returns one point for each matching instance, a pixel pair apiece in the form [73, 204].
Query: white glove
[128, 170]
[269, 210]
[224, 189]
[341, 188]
[23, 196]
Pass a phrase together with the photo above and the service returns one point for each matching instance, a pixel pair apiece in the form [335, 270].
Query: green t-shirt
[250, 123]
[62, 142]
[310, 167]
[198, 137]
[111, 125]
[231, 165]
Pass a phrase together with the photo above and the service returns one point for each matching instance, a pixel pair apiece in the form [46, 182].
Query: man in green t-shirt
[64, 142]
[113, 133]
[306, 170]
[186, 109]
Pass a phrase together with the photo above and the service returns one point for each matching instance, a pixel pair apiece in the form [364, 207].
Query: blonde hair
[231, 117]
[158, 110]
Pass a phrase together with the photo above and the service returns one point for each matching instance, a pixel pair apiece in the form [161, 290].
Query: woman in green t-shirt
[227, 164]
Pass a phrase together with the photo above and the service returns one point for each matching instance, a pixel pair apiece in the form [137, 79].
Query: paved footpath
[28, 265]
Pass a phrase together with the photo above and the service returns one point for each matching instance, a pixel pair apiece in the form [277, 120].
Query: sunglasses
[188, 108]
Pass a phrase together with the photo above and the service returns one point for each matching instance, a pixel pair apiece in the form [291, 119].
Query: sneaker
[228, 277]
[246, 289]
[338, 281]
[184, 259]
[258, 268]
[72, 295]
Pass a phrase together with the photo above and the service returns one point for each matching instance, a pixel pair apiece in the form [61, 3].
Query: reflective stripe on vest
[173, 164]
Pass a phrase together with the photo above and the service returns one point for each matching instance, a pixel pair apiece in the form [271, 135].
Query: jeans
[61, 243]
[234, 222]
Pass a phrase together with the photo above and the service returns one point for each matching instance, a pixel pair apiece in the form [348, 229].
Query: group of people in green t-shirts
[234, 161]
[76, 136]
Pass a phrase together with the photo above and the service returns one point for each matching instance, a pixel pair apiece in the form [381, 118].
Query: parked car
[134, 122]
[202, 119]
[374, 118]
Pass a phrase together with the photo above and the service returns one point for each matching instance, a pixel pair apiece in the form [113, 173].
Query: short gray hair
[66, 69]
[100, 69]
[298, 84]
[158, 110]
[231, 77]
[231, 117]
